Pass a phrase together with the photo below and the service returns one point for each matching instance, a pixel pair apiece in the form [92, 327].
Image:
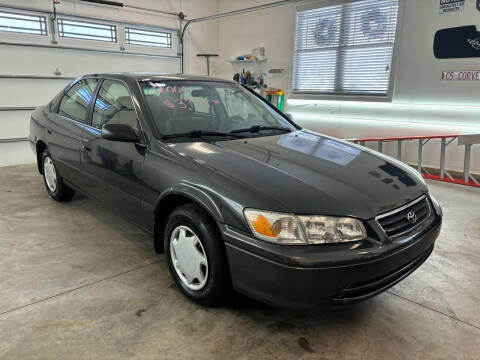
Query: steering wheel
[232, 123]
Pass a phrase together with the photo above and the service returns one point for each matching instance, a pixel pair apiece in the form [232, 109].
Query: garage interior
[78, 281]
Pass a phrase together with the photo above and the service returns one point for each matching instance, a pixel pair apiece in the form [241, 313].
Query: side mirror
[289, 116]
[119, 132]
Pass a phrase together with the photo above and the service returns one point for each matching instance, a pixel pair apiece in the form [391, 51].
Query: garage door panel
[29, 92]
[13, 153]
[21, 92]
[75, 63]
[14, 124]
[23, 67]
[70, 62]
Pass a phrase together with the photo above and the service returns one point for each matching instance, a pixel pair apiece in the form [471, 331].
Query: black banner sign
[458, 42]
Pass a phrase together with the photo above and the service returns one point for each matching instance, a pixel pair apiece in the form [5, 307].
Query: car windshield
[208, 108]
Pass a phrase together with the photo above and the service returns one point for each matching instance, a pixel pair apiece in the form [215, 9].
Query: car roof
[147, 76]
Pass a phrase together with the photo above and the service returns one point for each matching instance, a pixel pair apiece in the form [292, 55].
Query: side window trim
[91, 107]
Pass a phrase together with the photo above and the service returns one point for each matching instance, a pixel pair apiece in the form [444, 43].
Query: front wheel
[56, 188]
[196, 256]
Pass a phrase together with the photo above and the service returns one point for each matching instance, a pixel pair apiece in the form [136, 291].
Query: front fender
[196, 194]
[221, 210]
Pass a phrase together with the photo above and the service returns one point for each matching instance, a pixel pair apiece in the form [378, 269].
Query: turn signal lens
[262, 226]
[274, 227]
[289, 229]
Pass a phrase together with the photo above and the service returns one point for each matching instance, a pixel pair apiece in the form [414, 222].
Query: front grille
[399, 221]
[365, 289]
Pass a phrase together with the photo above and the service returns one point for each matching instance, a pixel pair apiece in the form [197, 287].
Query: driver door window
[114, 106]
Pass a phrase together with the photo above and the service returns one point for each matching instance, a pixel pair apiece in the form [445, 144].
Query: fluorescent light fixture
[386, 122]
[297, 102]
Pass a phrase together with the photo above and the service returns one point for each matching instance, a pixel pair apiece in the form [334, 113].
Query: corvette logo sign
[461, 75]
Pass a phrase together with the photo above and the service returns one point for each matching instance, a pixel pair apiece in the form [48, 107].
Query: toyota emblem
[412, 217]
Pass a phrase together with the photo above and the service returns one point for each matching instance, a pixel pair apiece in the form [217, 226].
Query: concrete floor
[78, 282]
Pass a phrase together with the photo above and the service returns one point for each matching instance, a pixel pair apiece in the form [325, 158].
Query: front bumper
[308, 276]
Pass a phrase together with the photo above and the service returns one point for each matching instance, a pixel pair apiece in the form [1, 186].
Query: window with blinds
[345, 49]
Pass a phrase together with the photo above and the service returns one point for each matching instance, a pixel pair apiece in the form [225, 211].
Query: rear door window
[75, 102]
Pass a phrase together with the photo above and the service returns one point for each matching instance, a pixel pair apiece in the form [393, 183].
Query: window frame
[113, 29]
[344, 96]
[23, 13]
[127, 33]
[120, 47]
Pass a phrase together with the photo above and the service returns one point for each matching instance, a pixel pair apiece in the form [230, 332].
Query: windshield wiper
[199, 134]
[257, 128]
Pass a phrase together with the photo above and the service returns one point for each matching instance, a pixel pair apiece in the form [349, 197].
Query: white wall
[200, 38]
[417, 78]
[43, 61]
[417, 75]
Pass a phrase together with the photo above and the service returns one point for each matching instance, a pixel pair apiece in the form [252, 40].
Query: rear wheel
[196, 256]
[54, 184]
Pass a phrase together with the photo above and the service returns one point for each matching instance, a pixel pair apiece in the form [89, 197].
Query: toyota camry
[238, 196]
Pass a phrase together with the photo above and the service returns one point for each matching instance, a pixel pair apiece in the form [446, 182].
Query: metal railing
[463, 140]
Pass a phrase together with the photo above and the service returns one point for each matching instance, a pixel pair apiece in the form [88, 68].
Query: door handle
[86, 148]
[49, 131]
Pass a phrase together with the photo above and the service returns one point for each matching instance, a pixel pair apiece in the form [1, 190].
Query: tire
[215, 288]
[54, 184]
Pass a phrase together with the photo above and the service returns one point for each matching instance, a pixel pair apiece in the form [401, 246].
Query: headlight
[289, 229]
[275, 227]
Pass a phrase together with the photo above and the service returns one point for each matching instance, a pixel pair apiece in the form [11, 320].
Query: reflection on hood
[319, 147]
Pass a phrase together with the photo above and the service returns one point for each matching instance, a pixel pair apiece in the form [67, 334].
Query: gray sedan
[237, 196]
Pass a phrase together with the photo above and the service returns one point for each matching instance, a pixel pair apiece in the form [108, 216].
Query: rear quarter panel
[37, 126]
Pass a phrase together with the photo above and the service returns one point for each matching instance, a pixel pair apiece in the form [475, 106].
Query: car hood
[309, 173]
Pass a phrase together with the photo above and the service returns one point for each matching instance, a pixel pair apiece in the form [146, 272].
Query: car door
[112, 170]
[64, 129]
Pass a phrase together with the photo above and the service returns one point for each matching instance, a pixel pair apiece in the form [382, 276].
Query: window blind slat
[345, 48]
